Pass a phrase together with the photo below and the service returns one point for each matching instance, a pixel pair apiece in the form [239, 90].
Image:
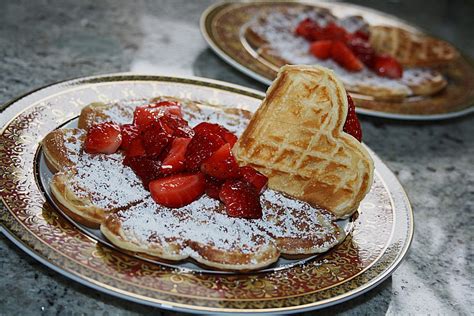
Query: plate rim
[374, 113]
[8, 114]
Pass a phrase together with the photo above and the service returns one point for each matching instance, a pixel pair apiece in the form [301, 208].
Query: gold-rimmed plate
[223, 26]
[380, 237]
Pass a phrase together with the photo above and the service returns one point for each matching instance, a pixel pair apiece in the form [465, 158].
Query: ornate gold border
[19, 230]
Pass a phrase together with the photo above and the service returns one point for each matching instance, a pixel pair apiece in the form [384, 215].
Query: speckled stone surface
[45, 41]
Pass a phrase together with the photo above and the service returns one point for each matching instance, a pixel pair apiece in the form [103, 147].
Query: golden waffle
[296, 139]
[411, 49]
[271, 34]
[98, 189]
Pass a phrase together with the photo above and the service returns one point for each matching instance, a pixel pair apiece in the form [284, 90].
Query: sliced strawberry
[387, 66]
[221, 164]
[129, 133]
[240, 199]
[352, 124]
[103, 138]
[213, 187]
[155, 137]
[361, 34]
[144, 115]
[334, 32]
[255, 178]
[135, 148]
[344, 57]
[309, 29]
[220, 130]
[179, 125]
[321, 49]
[201, 147]
[171, 107]
[178, 190]
[145, 168]
[362, 50]
[174, 160]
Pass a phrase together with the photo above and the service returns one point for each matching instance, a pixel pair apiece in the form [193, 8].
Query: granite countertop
[46, 41]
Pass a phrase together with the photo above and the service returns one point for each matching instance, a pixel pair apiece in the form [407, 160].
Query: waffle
[271, 34]
[296, 139]
[411, 49]
[99, 191]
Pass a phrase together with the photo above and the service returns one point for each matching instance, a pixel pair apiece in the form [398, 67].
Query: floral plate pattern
[382, 229]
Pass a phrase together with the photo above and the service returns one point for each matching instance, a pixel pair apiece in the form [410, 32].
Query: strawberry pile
[350, 50]
[177, 163]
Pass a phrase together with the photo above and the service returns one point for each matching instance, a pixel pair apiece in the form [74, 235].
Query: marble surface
[46, 41]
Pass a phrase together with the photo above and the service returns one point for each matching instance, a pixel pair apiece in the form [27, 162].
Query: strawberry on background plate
[321, 49]
[352, 124]
[104, 138]
[387, 66]
[178, 190]
[240, 199]
[345, 57]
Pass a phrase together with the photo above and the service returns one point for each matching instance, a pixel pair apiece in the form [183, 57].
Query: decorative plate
[223, 26]
[381, 231]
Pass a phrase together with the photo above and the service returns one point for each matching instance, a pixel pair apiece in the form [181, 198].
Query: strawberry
[387, 66]
[145, 168]
[135, 148]
[155, 137]
[129, 132]
[213, 187]
[201, 147]
[178, 190]
[255, 178]
[361, 34]
[221, 164]
[174, 160]
[309, 29]
[362, 50]
[171, 107]
[226, 135]
[321, 49]
[352, 124]
[334, 32]
[144, 115]
[240, 199]
[344, 57]
[179, 125]
[103, 138]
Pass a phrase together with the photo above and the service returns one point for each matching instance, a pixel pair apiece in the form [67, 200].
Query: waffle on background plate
[98, 191]
[271, 33]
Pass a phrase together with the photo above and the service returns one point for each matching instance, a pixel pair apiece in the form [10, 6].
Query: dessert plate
[380, 232]
[223, 26]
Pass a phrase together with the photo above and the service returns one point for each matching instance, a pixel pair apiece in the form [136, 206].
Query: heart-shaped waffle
[296, 139]
[99, 190]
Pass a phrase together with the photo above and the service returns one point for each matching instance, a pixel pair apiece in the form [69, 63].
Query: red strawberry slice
[144, 115]
[255, 178]
[226, 135]
[135, 148]
[321, 49]
[179, 125]
[213, 187]
[240, 199]
[387, 66]
[362, 50]
[309, 29]
[178, 190]
[171, 107]
[155, 137]
[352, 124]
[129, 133]
[145, 168]
[344, 57]
[103, 138]
[201, 147]
[361, 34]
[334, 32]
[174, 160]
[221, 164]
